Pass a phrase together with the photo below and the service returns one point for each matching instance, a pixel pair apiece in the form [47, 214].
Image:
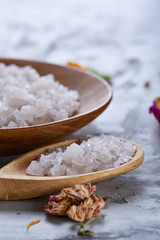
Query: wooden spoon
[16, 184]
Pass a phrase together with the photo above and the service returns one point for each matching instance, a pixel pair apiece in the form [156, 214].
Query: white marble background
[118, 37]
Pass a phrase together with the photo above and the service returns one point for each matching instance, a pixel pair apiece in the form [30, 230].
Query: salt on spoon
[92, 155]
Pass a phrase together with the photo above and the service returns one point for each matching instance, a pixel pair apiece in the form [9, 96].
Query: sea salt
[94, 154]
[27, 99]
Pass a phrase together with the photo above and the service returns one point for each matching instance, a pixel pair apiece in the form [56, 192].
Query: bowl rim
[65, 120]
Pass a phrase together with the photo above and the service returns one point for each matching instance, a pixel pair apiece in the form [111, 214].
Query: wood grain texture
[15, 184]
[95, 95]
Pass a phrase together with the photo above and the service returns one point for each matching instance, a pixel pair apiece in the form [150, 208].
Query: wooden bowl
[16, 184]
[95, 95]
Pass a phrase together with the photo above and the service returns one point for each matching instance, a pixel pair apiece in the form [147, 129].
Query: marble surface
[120, 38]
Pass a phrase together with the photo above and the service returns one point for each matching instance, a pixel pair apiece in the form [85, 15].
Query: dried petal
[155, 109]
[79, 192]
[87, 209]
[76, 65]
[32, 223]
[58, 208]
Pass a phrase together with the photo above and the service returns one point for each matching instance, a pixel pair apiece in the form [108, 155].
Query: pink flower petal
[155, 109]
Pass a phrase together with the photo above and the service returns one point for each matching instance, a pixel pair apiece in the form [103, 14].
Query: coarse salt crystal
[94, 154]
[27, 99]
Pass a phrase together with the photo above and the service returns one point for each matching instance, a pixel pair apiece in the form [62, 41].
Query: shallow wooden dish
[15, 184]
[95, 95]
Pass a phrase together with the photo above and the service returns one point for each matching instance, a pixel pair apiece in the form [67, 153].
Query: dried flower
[155, 109]
[76, 202]
[58, 205]
[76, 65]
[32, 223]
